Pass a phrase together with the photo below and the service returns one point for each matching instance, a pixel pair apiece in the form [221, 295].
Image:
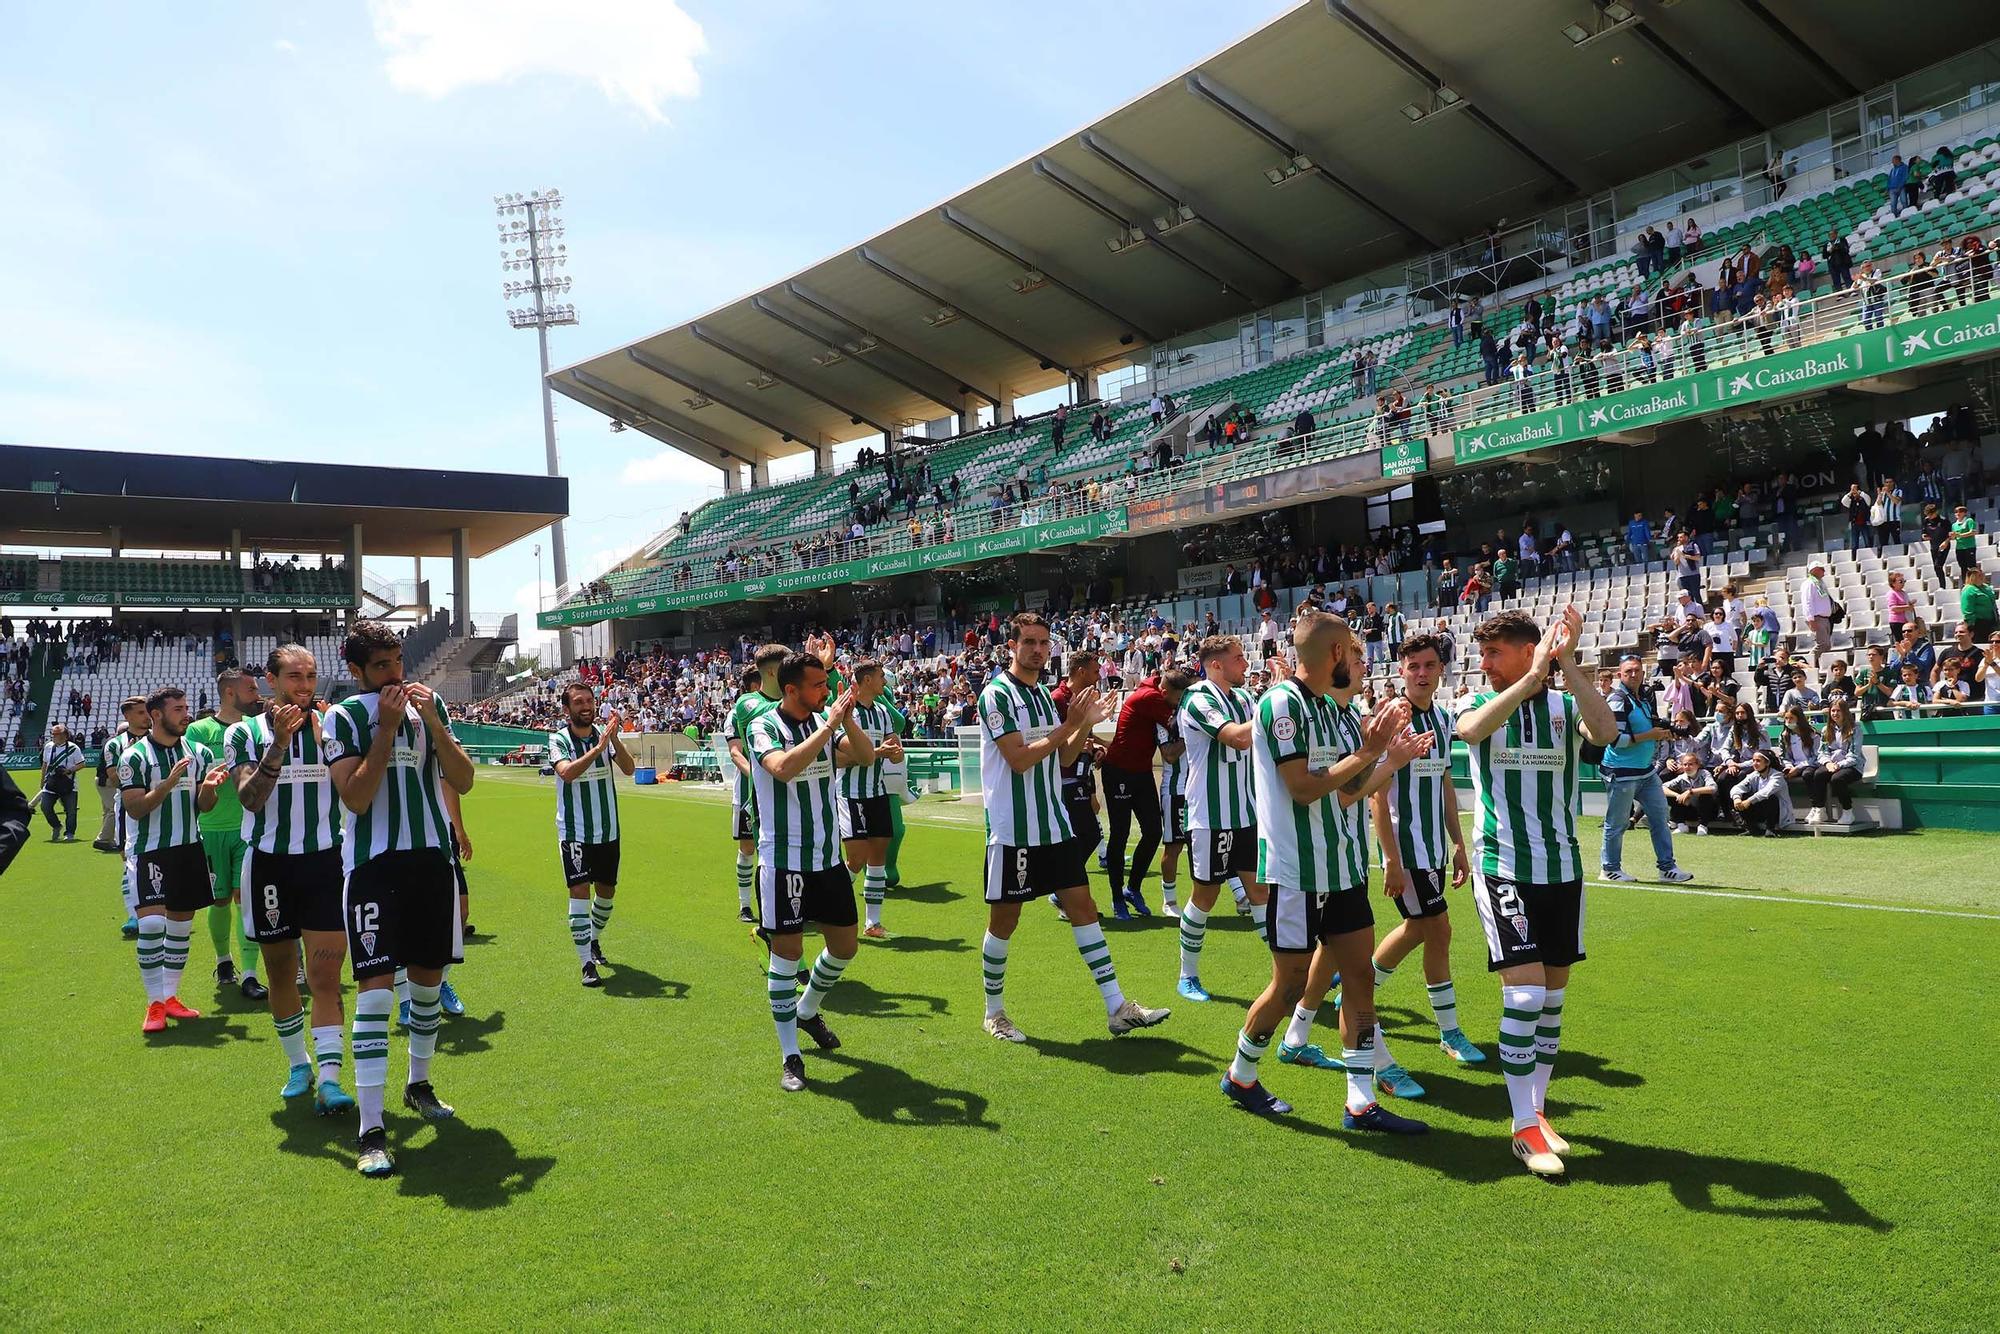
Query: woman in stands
[1832, 779]
[1727, 748]
[1896, 607]
[1799, 753]
[1762, 801]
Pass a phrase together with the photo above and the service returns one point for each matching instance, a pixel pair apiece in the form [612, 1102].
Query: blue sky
[266, 230]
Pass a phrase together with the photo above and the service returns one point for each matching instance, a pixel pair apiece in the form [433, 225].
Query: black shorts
[787, 900]
[284, 893]
[1082, 819]
[1173, 817]
[175, 878]
[1967, 557]
[1015, 875]
[743, 823]
[1529, 923]
[584, 864]
[1297, 922]
[1217, 854]
[401, 911]
[1425, 897]
[865, 817]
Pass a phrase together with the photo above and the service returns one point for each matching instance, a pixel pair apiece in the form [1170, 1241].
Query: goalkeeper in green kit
[236, 698]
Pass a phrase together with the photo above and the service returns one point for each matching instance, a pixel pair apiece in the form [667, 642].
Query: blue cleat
[402, 1014]
[131, 928]
[331, 1099]
[1372, 1117]
[298, 1084]
[1254, 1098]
[1192, 989]
[448, 999]
[1138, 902]
[1395, 1079]
[1119, 910]
[1310, 1054]
[1456, 1045]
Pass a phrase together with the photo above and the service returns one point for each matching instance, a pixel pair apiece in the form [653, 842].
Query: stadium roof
[1013, 281]
[75, 497]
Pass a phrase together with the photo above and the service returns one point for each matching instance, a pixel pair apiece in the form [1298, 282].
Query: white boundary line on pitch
[941, 814]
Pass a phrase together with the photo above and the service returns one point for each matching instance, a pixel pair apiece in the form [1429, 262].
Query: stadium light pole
[531, 230]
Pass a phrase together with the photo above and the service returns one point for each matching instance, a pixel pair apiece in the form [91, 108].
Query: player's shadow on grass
[934, 891]
[628, 982]
[465, 1166]
[901, 944]
[855, 997]
[202, 1032]
[1138, 1054]
[879, 1092]
[1572, 1064]
[468, 1033]
[1703, 1182]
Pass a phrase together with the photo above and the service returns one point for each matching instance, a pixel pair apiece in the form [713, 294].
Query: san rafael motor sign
[1969, 331]
[1405, 457]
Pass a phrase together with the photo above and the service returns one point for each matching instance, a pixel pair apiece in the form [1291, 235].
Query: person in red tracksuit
[1129, 789]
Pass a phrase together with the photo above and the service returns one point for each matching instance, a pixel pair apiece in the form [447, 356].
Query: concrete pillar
[822, 460]
[968, 413]
[1005, 411]
[760, 474]
[732, 478]
[461, 582]
[353, 553]
[417, 579]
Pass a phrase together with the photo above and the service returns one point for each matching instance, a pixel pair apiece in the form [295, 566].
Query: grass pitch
[1781, 1112]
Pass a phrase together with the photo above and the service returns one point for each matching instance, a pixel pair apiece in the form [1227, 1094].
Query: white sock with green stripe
[1097, 957]
[874, 888]
[1168, 893]
[371, 1052]
[1249, 1051]
[1383, 1060]
[326, 1042]
[1258, 912]
[746, 873]
[1444, 1004]
[1520, 1012]
[1360, 1062]
[781, 981]
[600, 915]
[1382, 974]
[1194, 930]
[1242, 895]
[993, 961]
[1548, 1038]
[152, 955]
[174, 960]
[423, 1030]
[826, 971]
[402, 986]
[292, 1037]
[1299, 1031]
[579, 928]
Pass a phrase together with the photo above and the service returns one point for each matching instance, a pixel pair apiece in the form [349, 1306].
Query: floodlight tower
[531, 230]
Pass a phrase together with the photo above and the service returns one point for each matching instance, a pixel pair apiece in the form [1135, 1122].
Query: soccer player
[1317, 765]
[1173, 796]
[134, 709]
[1527, 873]
[166, 781]
[587, 760]
[865, 799]
[1031, 849]
[1215, 720]
[760, 695]
[1416, 821]
[795, 749]
[389, 750]
[236, 698]
[1129, 790]
[292, 869]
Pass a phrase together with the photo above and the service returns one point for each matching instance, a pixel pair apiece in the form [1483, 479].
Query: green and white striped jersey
[408, 810]
[1173, 773]
[747, 709]
[113, 751]
[880, 720]
[303, 811]
[1416, 796]
[797, 829]
[175, 820]
[1526, 790]
[1023, 810]
[1219, 782]
[587, 808]
[1322, 847]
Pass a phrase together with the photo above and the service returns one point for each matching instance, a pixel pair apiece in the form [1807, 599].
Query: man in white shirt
[1816, 607]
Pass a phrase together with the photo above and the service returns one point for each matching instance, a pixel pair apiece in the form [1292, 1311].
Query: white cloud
[637, 52]
[285, 45]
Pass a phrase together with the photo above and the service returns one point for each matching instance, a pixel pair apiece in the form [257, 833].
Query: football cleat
[330, 1099]
[1118, 909]
[1674, 875]
[448, 1000]
[1311, 1054]
[793, 1077]
[1192, 989]
[743, 914]
[225, 972]
[1459, 1047]
[823, 1037]
[1138, 902]
[422, 1099]
[402, 1014]
[298, 1083]
[1532, 1148]
[1171, 909]
[1556, 1143]
[597, 951]
[131, 928]
[1396, 1080]
[1254, 1098]
[590, 977]
[252, 989]
[156, 1018]
[374, 1159]
[176, 1009]
[1133, 1015]
[1000, 1026]
[1372, 1117]
[875, 932]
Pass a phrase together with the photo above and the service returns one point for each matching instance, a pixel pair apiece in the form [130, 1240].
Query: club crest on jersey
[1557, 722]
[368, 943]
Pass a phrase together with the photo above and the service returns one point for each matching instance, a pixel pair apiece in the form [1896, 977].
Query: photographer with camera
[1629, 776]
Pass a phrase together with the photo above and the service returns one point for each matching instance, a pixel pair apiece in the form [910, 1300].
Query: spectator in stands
[1831, 781]
[1638, 540]
[1798, 753]
[1965, 541]
[1489, 356]
[1457, 321]
[1911, 693]
[1157, 406]
[1900, 194]
[1690, 794]
[1976, 605]
[1838, 684]
[1685, 561]
[1762, 801]
[1730, 743]
[1875, 685]
[1816, 602]
[1799, 696]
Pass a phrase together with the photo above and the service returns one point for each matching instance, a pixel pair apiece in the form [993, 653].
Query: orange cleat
[174, 1009]
[1557, 1143]
[1532, 1148]
[156, 1018]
